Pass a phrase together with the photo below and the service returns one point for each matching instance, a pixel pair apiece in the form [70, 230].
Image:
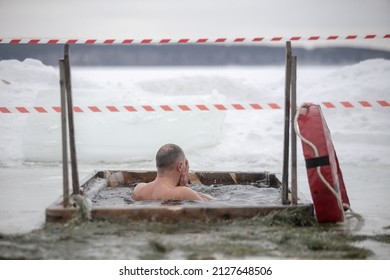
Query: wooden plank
[294, 186]
[72, 142]
[64, 125]
[287, 89]
[56, 213]
[128, 178]
[169, 213]
[177, 213]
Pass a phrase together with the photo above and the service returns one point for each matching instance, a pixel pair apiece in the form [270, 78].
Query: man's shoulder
[187, 193]
[139, 189]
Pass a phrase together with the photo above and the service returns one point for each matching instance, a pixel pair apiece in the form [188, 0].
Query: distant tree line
[186, 55]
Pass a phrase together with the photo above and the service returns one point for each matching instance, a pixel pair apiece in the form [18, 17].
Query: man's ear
[179, 166]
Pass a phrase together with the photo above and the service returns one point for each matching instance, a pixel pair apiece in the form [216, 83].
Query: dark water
[232, 195]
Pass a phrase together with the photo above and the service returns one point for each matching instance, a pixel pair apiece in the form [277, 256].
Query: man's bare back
[171, 180]
[153, 191]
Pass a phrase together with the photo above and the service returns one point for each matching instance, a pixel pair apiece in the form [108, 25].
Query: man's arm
[185, 193]
[188, 194]
[205, 197]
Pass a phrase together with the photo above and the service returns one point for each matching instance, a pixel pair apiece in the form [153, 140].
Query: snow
[119, 137]
[249, 140]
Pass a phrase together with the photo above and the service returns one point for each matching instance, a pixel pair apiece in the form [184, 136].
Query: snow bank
[20, 83]
[29, 73]
[361, 136]
[235, 140]
[121, 136]
[100, 137]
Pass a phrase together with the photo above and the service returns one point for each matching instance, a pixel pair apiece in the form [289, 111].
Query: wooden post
[294, 187]
[73, 156]
[287, 89]
[65, 171]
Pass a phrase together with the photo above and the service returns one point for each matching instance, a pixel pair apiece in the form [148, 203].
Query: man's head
[169, 156]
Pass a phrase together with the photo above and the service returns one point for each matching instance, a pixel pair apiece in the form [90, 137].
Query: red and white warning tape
[220, 40]
[183, 108]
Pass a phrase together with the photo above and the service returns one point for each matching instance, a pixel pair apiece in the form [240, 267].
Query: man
[171, 180]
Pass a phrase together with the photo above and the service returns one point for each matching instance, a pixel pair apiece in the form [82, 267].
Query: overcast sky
[140, 19]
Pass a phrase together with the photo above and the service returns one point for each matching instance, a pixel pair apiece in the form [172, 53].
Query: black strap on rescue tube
[317, 161]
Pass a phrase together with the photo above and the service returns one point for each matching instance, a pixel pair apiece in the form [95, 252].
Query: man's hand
[183, 180]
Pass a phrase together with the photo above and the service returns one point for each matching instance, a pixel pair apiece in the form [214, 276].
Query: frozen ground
[248, 140]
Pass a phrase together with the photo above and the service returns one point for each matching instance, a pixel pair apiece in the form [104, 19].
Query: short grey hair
[168, 155]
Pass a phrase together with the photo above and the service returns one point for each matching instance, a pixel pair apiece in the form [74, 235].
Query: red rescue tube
[313, 128]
